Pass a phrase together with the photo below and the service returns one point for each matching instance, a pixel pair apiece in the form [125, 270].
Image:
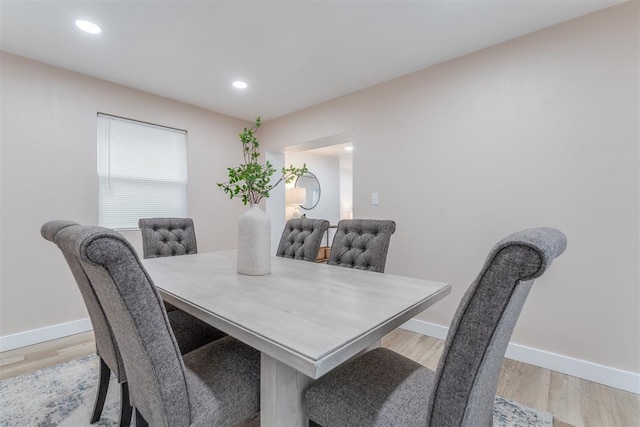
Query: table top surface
[310, 316]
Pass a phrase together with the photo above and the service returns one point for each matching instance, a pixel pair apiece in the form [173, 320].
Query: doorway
[330, 160]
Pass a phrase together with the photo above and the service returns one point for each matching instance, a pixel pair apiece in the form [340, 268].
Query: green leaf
[250, 181]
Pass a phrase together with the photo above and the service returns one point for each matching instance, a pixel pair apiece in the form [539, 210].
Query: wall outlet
[374, 199]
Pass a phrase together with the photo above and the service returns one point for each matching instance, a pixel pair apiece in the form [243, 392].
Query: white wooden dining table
[305, 318]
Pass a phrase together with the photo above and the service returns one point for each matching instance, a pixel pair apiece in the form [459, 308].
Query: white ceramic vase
[254, 242]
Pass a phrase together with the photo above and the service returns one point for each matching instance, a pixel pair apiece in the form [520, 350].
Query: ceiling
[293, 54]
[338, 151]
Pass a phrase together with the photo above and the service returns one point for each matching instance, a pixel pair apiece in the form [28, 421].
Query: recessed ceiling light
[88, 27]
[239, 84]
[348, 148]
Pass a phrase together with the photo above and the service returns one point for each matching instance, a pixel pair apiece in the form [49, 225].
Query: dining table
[305, 318]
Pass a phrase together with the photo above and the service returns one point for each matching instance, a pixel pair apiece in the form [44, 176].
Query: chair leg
[140, 421]
[125, 406]
[103, 386]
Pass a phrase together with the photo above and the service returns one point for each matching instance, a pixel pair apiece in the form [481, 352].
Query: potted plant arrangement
[251, 182]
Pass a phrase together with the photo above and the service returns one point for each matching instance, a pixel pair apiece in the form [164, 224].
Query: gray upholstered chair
[302, 238]
[216, 384]
[167, 237]
[191, 333]
[362, 244]
[163, 237]
[383, 388]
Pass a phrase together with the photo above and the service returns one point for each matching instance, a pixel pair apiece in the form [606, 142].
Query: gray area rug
[63, 395]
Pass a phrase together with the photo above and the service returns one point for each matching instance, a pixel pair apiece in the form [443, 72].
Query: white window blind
[142, 172]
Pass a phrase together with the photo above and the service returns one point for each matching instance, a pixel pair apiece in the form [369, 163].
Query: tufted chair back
[167, 237]
[362, 244]
[301, 238]
[189, 332]
[136, 315]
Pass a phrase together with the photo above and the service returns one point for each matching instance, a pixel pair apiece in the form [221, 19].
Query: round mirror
[310, 183]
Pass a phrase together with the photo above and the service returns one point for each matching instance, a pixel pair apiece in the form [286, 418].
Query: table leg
[281, 393]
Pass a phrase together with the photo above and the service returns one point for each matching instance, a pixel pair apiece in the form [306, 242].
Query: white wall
[275, 205]
[346, 187]
[538, 131]
[48, 171]
[327, 170]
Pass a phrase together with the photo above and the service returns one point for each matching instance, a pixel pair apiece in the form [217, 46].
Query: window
[142, 172]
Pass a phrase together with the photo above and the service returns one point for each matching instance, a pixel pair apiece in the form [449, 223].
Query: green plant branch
[251, 181]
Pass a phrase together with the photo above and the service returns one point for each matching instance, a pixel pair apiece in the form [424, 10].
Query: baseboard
[426, 328]
[612, 377]
[35, 336]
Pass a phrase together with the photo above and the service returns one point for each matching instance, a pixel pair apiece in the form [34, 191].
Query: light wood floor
[572, 401]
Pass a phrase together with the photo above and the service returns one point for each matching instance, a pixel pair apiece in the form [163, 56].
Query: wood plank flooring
[34, 357]
[573, 401]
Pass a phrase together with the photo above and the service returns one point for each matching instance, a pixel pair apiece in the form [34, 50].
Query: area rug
[63, 395]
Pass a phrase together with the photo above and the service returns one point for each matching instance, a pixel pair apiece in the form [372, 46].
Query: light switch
[374, 199]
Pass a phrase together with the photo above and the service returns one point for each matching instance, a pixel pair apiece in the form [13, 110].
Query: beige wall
[542, 130]
[49, 172]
